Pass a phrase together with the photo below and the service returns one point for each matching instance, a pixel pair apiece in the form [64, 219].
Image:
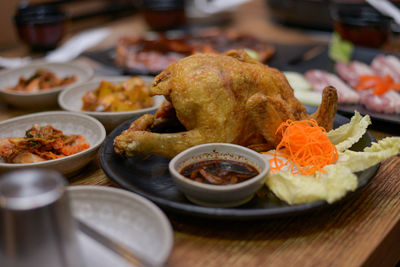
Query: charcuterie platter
[322, 62]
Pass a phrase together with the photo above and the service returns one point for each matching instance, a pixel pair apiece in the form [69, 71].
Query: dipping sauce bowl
[228, 195]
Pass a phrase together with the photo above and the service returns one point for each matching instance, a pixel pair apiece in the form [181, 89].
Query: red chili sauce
[219, 172]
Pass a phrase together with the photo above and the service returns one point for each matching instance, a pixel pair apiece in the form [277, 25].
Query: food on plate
[297, 81]
[377, 84]
[42, 79]
[41, 143]
[310, 98]
[223, 41]
[131, 94]
[219, 171]
[336, 178]
[351, 72]
[152, 55]
[302, 89]
[319, 79]
[305, 146]
[387, 65]
[299, 189]
[348, 134]
[389, 102]
[229, 98]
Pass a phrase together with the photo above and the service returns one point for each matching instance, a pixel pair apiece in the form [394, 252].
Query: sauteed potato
[131, 94]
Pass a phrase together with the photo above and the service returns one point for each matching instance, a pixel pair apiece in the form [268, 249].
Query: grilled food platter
[150, 178]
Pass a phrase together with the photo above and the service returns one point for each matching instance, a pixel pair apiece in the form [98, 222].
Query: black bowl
[162, 15]
[41, 27]
[312, 14]
[360, 23]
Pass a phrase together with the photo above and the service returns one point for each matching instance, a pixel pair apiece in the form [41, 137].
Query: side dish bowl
[69, 123]
[71, 99]
[43, 98]
[218, 195]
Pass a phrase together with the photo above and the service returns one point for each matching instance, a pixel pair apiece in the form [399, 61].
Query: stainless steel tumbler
[36, 223]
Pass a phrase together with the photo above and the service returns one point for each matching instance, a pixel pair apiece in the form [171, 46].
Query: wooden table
[364, 230]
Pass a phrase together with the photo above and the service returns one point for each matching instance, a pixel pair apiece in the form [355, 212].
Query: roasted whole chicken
[229, 98]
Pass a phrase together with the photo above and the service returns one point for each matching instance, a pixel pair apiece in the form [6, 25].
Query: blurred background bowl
[360, 23]
[43, 98]
[317, 14]
[42, 27]
[163, 15]
[313, 14]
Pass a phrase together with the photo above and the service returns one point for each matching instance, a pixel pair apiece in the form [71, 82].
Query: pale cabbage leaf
[377, 152]
[297, 189]
[338, 179]
[348, 134]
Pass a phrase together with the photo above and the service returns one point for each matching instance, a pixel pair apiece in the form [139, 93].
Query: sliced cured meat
[351, 72]
[394, 63]
[381, 65]
[320, 79]
[389, 102]
[387, 65]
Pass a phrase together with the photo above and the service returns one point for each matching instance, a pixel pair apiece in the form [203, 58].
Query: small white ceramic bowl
[41, 99]
[218, 195]
[69, 123]
[71, 100]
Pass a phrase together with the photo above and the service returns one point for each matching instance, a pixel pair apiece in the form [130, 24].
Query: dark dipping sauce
[219, 172]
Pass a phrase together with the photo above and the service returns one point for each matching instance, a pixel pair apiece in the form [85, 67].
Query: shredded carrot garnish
[380, 85]
[305, 145]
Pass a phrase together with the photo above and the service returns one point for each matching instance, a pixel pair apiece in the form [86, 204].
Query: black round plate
[150, 178]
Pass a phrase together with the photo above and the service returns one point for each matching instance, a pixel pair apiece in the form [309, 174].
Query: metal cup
[36, 224]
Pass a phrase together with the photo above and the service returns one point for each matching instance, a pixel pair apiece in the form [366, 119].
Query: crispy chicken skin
[219, 98]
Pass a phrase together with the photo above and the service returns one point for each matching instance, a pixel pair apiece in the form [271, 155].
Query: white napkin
[215, 6]
[14, 62]
[387, 8]
[66, 52]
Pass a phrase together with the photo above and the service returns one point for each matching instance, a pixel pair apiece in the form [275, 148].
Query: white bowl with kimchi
[37, 85]
[111, 100]
[58, 140]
